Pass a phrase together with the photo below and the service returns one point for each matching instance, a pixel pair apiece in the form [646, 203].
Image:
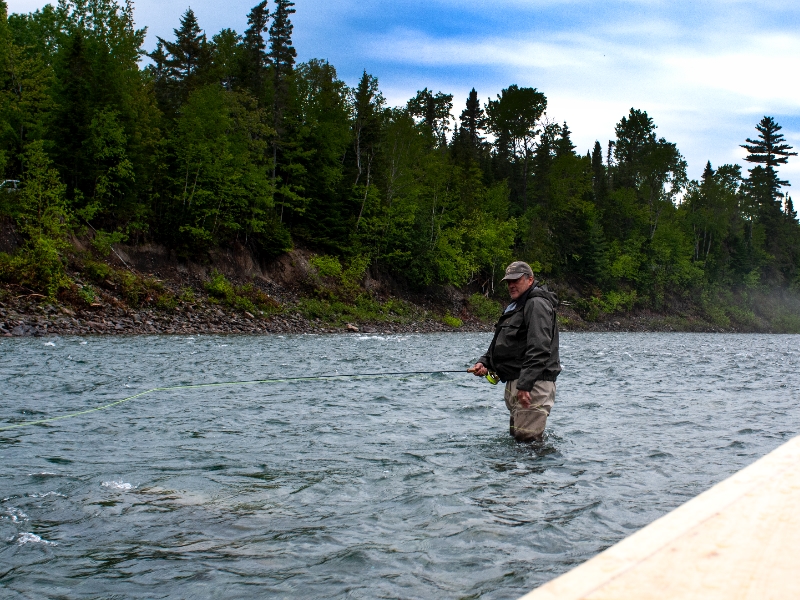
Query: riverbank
[148, 290]
[27, 314]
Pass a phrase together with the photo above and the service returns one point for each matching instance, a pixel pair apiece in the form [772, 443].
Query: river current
[405, 487]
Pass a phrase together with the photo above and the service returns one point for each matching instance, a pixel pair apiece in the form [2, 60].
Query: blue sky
[706, 71]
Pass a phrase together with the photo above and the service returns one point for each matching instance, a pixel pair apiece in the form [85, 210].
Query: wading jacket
[525, 343]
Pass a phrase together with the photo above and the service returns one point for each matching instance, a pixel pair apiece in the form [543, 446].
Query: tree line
[208, 142]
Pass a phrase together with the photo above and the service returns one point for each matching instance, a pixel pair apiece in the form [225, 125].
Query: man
[524, 353]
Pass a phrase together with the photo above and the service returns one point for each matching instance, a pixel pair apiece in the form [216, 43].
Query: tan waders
[527, 424]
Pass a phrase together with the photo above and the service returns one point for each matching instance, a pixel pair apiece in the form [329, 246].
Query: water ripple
[404, 487]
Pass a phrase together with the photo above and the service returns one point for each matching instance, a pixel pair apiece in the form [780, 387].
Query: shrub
[327, 266]
[103, 241]
[484, 308]
[167, 302]
[219, 288]
[87, 294]
[451, 321]
[246, 297]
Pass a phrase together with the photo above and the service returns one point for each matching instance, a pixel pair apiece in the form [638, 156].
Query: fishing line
[221, 384]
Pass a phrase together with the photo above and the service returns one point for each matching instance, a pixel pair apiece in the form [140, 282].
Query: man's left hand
[524, 398]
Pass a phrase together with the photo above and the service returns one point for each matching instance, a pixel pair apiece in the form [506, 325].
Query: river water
[359, 488]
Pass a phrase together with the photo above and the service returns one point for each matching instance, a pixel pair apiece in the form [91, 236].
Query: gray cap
[517, 269]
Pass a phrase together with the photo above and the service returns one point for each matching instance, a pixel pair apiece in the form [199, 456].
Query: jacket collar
[523, 298]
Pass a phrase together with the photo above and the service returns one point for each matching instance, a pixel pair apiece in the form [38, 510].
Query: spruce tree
[281, 61]
[188, 55]
[770, 150]
[254, 56]
[473, 120]
[564, 145]
[599, 178]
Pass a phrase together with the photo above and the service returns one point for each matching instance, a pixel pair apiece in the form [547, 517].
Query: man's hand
[478, 369]
[524, 398]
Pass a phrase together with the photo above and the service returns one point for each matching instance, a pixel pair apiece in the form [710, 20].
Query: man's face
[517, 287]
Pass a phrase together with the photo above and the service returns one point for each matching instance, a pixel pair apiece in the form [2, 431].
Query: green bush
[452, 321]
[38, 265]
[167, 302]
[219, 288]
[327, 266]
[614, 301]
[484, 308]
[103, 241]
[246, 297]
[787, 323]
[362, 309]
[87, 294]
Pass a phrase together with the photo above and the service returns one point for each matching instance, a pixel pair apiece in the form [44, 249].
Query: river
[403, 487]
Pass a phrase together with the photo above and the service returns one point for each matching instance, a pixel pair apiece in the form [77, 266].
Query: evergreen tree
[770, 150]
[473, 120]
[281, 62]
[563, 144]
[187, 57]
[368, 105]
[74, 115]
[599, 175]
[254, 55]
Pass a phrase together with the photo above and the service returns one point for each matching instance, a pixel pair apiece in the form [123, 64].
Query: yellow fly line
[221, 384]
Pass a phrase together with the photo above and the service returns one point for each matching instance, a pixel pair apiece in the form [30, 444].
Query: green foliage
[452, 321]
[594, 307]
[219, 288]
[135, 289]
[104, 241]
[245, 298]
[88, 294]
[327, 266]
[362, 309]
[484, 308]
[40, 211]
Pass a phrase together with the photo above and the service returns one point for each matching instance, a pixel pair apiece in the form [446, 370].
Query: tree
[368, 103]
[564, 145]
[281, 62]
[225, 58]
[765, 200]
[650, 166]
[770, 150]
[473, 120]
[254, 55]
[187, 56]
[433, 113]
[514, 118]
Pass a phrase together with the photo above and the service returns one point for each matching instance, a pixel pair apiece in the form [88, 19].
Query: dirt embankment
[286, 281]
[291, 285]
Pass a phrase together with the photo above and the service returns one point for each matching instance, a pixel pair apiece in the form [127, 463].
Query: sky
[706, 71]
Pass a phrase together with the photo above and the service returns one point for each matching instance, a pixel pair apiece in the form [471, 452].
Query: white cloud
[705, 91]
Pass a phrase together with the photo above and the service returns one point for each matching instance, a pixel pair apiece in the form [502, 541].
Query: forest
[206, 142]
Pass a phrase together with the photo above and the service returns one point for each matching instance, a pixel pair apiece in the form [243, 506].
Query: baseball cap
[517, 269]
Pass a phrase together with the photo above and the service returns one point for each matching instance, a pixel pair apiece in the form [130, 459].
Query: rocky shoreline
[47, 319]
[25, 319]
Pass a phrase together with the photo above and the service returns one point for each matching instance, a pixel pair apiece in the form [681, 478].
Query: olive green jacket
[525, 343]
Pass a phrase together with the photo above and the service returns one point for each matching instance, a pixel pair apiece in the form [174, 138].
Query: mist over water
[405, 487]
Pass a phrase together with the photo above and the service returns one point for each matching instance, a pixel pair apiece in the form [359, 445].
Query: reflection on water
[405, 487]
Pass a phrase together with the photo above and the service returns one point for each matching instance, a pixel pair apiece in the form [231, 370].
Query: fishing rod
[230, 383]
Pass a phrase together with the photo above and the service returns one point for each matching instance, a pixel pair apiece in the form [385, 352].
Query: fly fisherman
[524, 353]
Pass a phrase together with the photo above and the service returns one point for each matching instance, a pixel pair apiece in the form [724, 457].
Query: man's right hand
[479, 370]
